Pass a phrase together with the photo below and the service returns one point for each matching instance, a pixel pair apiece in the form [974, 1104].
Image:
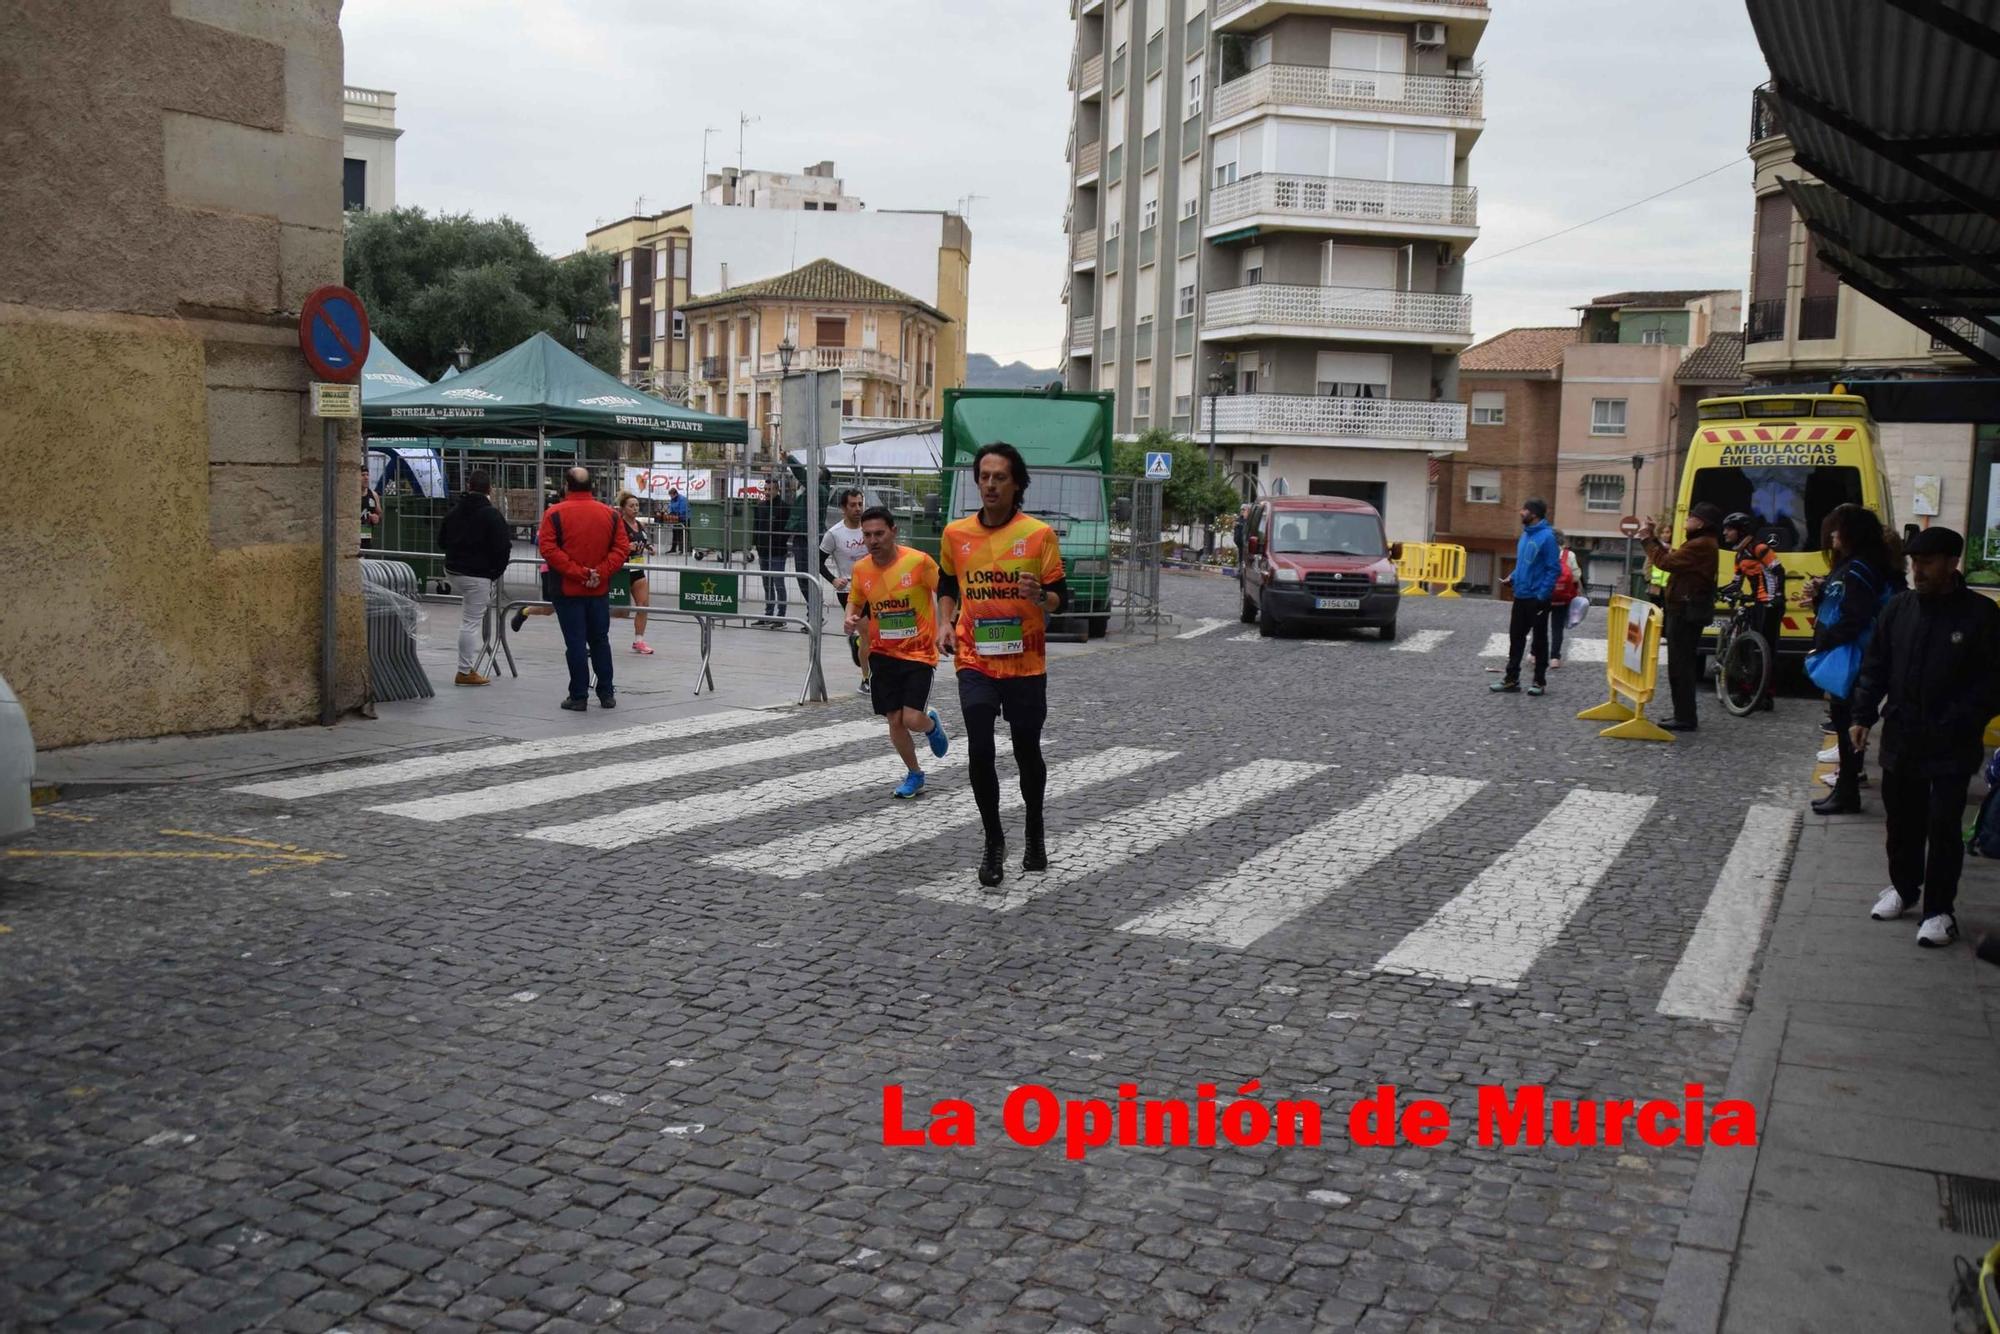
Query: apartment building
[884, 342]
[814, 190]
[651, 260]
[1270, 208]
[1511, 386]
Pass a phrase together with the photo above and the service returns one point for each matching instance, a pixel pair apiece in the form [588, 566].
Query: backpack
[1567, 586]
[1984, 840]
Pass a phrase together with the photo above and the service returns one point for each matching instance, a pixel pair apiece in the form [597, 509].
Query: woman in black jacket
[1867, 569]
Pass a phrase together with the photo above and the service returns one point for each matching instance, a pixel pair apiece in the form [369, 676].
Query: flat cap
[1935, 542]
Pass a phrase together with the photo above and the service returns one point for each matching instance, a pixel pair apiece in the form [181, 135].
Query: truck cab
[1317, 560]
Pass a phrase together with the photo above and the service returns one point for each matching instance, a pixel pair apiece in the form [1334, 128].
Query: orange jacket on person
[593, 538]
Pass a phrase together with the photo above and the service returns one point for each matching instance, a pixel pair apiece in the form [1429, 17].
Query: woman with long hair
[642, 549]
[1865, 568]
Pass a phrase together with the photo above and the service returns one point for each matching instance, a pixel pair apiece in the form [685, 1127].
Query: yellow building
[649, 279]
[885, 343]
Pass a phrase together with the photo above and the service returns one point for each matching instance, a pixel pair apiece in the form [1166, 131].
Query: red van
[1317, 560]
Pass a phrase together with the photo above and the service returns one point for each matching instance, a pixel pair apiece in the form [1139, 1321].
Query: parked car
[17, 766]
[1317, 560]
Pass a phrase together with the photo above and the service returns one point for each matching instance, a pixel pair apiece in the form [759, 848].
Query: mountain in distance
[983, 372]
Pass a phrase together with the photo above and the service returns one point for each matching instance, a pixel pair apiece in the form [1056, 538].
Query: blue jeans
[774, 589]
[586, 632]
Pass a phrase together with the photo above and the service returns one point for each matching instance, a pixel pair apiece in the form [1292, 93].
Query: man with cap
[1931, 675]
[1537, 565]
[1691, 576]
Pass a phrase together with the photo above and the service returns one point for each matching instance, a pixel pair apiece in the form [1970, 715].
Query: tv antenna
[965, 204]
[706, 131]
[743, 121]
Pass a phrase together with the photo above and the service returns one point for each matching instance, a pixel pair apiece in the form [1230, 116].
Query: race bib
[893, 625]
[996, 636]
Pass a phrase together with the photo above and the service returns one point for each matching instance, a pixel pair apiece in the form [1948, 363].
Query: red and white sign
[333, 334]
[1629, 525]
[654, 483]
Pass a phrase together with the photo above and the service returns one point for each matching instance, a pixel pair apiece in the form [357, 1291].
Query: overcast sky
[563, 113]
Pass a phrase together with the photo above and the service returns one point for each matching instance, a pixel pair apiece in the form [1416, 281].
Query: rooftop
[1652, 300]
[821, 280]
[1531, 350]
[1718, 361]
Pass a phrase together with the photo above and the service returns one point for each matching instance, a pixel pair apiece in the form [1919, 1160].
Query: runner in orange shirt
[893, 592]
[1002, 578]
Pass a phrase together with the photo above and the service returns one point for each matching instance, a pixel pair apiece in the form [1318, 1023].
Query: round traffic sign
[333, 334]
[1629, 525]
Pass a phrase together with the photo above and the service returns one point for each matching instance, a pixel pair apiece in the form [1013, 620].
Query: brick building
[1512, 387]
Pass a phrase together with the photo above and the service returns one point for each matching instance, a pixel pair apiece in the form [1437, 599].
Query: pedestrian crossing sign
[1159, 465]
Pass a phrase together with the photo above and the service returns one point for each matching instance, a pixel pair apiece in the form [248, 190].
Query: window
[1482, 486]
[1154, 92]
[680, 261]
[625, 271]
[1142, 401]
[1489, 408]
[1191, 187]
[1147, 293]
[1149, 200]
[1607, 416]
[659, 324]
[1194, 89]
[1351, 374]
[1604, 493]
[1184, 281]
[1653, 336]
[1184, 302]
[680, 324]
[353, 183]
[1247, 365]
[625, 332]
[1794, 499]
[1183, 385]
[1115, 130]
[830, 331]
[1253, 265]
[1223, 170]
[1260, 51]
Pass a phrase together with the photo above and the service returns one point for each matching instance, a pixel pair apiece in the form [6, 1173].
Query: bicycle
[1744, 659]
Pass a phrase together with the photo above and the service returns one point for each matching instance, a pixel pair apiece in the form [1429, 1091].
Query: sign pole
[334, 339]
[815, 516]
[329, 574]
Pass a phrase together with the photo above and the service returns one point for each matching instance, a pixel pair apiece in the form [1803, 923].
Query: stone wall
[172, 184]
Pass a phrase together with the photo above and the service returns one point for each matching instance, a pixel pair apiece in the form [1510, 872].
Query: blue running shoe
[910, 786]
[940, 743]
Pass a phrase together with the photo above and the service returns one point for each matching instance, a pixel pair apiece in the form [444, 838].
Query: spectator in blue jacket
[1537, 565]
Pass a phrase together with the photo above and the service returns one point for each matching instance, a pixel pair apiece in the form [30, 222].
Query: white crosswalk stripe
[1708, 981]
[821, 849]
[492, 757]
[1494, 929]
[1423, 641]
[588, 782]
[1205, 625]
[1575, 649]
[1290, 878]
[1247, 637]
[669, 819]
[1105, 845]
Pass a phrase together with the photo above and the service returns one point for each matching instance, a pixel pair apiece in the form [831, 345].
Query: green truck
[1066, 440]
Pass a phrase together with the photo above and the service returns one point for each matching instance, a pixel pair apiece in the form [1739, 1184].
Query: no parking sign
[333, 334]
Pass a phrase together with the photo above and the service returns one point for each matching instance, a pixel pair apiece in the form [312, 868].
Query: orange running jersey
[900, 603]
[999, 632]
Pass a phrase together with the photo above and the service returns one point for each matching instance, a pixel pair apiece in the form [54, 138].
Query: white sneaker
[1889, 906]
[1833, 778]
[1831, 755]
[1937, 931]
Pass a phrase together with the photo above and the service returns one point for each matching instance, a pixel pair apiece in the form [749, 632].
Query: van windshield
[1326, 533]
[1790, 502]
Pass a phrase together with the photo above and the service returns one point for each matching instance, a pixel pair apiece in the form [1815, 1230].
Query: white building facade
[369, 135]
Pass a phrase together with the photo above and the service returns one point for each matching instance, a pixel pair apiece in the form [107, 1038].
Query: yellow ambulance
[1789, 459]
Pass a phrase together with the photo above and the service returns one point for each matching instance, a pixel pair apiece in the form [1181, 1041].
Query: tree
[1193, 494]
[431, 283]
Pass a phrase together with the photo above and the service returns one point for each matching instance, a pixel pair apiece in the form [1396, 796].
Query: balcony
[1250, 417]
[1089, 159]
[1766, 321]
[1086, 250]
[1082, 334]
[1819, 317]
[1271, 88]
[858, 361]
[1464, 20]
[1090, 77]
[1343, 204]
[714, 368]
[1763, 116]
[1370, 314]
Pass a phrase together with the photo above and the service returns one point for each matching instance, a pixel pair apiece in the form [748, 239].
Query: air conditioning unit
[1430, 34]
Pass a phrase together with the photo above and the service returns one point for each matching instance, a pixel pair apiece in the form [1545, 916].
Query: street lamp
[462, 355]
[579, 327]
[786, 351]
[1631, 571]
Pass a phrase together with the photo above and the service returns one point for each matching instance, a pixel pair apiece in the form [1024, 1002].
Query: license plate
[1337, 604]
[1719, 624]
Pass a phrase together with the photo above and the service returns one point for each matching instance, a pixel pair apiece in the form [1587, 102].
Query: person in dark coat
[477, 544]
[1691, 578]
[1863, 572]
[1931, 676]
[773, 540]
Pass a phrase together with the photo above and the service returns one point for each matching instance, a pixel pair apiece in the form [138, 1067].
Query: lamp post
[579, 328]
[1631, 571]
[786, 351]
[462, 357]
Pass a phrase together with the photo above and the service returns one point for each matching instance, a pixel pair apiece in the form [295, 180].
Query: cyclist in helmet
[1757, 565]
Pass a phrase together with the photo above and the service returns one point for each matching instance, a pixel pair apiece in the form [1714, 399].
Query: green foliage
[1193, 494]
[431, 283]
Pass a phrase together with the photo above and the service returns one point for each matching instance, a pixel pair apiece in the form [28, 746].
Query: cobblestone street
[524, 1036]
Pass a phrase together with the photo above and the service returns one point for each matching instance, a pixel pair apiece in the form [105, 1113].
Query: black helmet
[1741, 522]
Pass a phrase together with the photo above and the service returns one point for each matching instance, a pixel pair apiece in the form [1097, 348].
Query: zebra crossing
[733, 776]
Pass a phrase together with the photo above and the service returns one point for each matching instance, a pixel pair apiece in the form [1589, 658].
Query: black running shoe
[993, 866]
[1036, 857]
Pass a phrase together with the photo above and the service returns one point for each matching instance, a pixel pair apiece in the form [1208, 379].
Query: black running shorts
[898, 683]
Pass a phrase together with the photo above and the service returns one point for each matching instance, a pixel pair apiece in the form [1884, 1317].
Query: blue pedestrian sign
[1159, 465]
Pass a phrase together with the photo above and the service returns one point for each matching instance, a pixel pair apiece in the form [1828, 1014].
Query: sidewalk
[753, 669]
[1875, 1069]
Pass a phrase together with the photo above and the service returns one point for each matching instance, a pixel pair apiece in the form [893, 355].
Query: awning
[1610, 479]
[1894, 105]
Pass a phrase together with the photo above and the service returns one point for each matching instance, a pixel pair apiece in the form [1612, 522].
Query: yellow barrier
[1410, 567]
[1444, 565]
[1631, 670]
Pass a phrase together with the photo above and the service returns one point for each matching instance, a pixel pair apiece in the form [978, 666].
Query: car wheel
[1388, 632]
[1249, 612]
[1267, 624]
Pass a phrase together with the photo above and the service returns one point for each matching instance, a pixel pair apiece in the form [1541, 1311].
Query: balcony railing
[1305, 414]
[1350, 90]
[1082, 333]
[1344, 199]
[852, 360]
[714, 368]
[1091, 75]
[1959, 325]
[1227, 7]
[1819, 317]
[1086, 246]
[1339, 308]
[1090, 157]
[1763, 116]
[1766, 322]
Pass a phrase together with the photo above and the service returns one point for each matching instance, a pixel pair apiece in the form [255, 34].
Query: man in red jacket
[583, 540]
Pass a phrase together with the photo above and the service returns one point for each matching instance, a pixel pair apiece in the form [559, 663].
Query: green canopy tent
[539, 390]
